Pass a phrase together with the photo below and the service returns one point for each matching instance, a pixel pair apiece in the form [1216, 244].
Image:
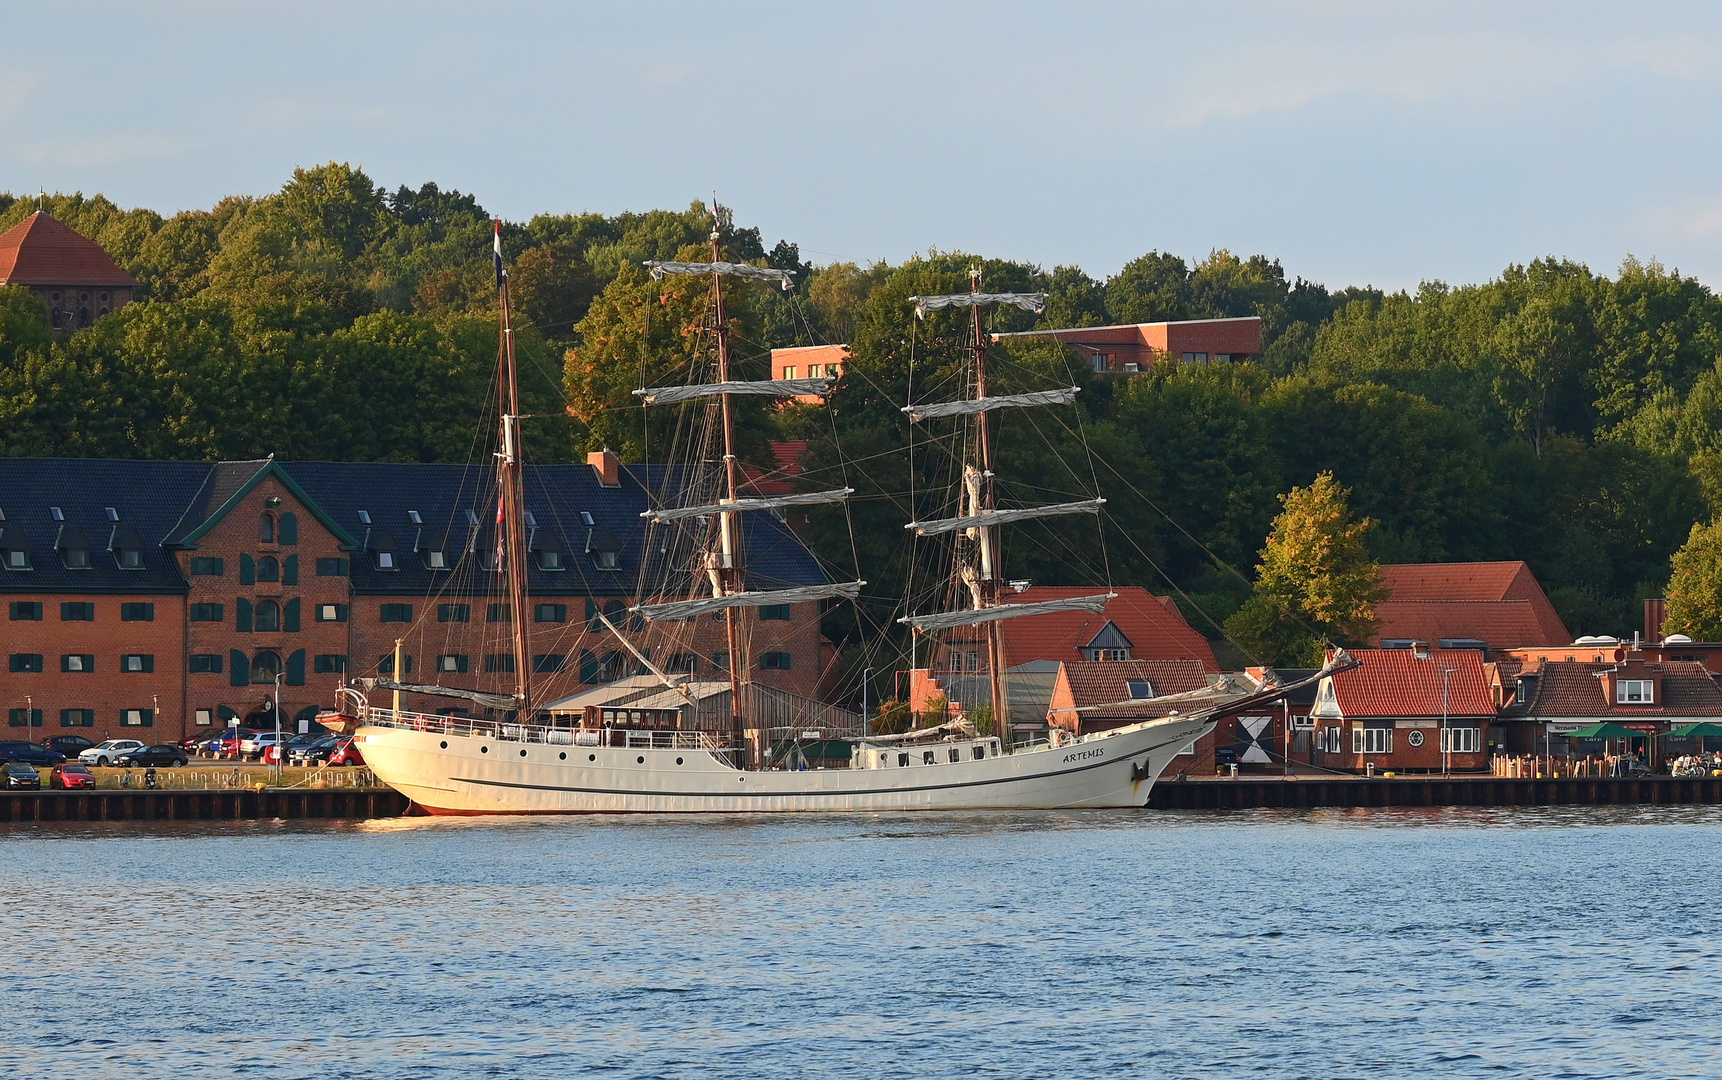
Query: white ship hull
[447, 773]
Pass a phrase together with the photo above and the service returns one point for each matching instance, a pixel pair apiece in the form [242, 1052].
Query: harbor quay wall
[1246, 793]
[213, 805]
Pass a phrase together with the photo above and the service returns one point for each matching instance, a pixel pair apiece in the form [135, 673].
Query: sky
[1359, 143]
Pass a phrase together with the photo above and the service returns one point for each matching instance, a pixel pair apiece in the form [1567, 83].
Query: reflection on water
[1503, 942]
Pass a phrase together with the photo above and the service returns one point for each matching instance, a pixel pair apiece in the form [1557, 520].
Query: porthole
[484, 749]
[678, 761]
[1415, 738]
[523, 753]
[591, 757]
[445, 746]
[641, 760]
[563, 755]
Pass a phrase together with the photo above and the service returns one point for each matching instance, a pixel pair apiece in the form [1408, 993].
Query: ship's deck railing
[472, 727]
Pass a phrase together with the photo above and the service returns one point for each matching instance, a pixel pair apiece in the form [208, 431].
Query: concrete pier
[233, 803]
[1249, 792]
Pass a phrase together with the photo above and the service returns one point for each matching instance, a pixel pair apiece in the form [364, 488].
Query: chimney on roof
[1655, 614]
[607, 465]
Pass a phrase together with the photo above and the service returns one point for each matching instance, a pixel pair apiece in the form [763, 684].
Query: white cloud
[94, 150]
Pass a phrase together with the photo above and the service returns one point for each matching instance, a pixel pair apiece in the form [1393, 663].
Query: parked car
[70, 775]
[107, 753]
[313, 753]
[29, 753]
[19, 775]
[152, 756]
[69, 745]
[251, 748]
[346, 752]
[226, 744]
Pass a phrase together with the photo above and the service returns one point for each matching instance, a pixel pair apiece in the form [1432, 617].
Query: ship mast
[725, 569]
[511, 532]
[987, 585]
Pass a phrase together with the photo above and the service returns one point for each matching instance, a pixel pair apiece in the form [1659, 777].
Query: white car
[253, 747]
[109, 752]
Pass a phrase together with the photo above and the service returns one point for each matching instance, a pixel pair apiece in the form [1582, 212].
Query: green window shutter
[289, 565]
[296, 668]
[149, 661]
[242, 617]
[247, 570]
[241, 665]
[287, 528]
[290, 616]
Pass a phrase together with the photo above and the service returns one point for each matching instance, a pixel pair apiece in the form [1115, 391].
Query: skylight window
[1139, 688]
[586, 517]
[413, 516]
[364, 517]
[113, 515]
[530, 520]
[56, 513]
[471, 518]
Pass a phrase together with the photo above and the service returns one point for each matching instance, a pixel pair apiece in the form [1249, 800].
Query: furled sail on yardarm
[661, 740]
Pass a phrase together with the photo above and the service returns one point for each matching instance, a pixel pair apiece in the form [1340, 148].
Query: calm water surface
[1549, 943]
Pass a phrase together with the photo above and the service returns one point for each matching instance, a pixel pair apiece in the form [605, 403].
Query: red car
[70, 775]
[346, 753]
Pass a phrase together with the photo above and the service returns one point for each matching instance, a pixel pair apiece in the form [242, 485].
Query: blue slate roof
[168, 502]
[149, 496]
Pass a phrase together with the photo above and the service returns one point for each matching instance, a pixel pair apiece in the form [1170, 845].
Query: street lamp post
[1446, 744]
[278, 729]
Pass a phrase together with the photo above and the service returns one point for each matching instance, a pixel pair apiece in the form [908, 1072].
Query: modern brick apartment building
[169, 595]
[1133, 347]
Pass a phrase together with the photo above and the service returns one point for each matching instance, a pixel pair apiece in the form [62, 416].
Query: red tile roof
[1497, 602]
[1082, 683]
[781, 480]
[1394, 683]
[42, 251]
[1154, 625]
[1576, 690]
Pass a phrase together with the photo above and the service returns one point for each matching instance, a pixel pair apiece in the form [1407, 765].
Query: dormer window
[550, 559]
[382, 548]
[14, 548]
[605, 549]
[74, 548]
[1110, 644]
[436, 560]
[1635, 692]
[127, 547]
[385, 560]
[129, 558]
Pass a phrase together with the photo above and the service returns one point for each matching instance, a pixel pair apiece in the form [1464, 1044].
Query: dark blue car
[29, 754]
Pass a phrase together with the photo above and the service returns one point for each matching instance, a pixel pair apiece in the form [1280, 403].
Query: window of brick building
[331, 612]
[204, 664]
[208, 612]
[136, 663]
[208, 566]
[266, 528]
[550, 613]
[451, 662]
[268, 568]
[396, 613]
[78, 611]
[495, 662]
[77, 718]
[26, 611]
[24, 717]
[774, 661]
[774, 613]
[81, 663]
[327, 567]
[267, 617]
[25, 662]
[454, 613]
[329, 663]
[265, 666]
[137, 612]
[137, 717]
[386, 665]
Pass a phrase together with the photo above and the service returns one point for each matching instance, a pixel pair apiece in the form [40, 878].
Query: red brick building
[169, 595]
[1132, 347]
[69, 272]
[1082, 685]
[1547, 696]
[809, 362]
[1401, 709]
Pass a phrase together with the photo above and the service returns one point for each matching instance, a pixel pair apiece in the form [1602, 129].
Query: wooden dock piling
[178, 805]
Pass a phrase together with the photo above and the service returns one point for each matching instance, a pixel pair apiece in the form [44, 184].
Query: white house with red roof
[68, 271]
[1405, 710]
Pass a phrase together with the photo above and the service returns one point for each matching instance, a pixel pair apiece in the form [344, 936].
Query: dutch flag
[496, 247]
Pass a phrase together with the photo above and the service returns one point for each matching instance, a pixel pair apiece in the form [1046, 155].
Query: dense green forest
[1554, 414]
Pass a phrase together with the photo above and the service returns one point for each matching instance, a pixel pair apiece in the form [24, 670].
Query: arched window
[268, 569]
[268, 617]
[265, 666]
[266, 528]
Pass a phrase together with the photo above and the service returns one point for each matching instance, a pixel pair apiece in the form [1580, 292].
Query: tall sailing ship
[521, 759]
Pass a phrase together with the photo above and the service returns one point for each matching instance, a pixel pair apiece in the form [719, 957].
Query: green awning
[1703, 730]
[1606, 731]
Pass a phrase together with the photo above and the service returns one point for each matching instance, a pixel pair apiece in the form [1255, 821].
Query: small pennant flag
[501, 536]
[496, 247]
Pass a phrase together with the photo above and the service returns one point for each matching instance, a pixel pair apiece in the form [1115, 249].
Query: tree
[1695, 586]
[1316, 582]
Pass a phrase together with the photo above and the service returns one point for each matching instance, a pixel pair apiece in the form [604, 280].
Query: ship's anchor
[1139, 773]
